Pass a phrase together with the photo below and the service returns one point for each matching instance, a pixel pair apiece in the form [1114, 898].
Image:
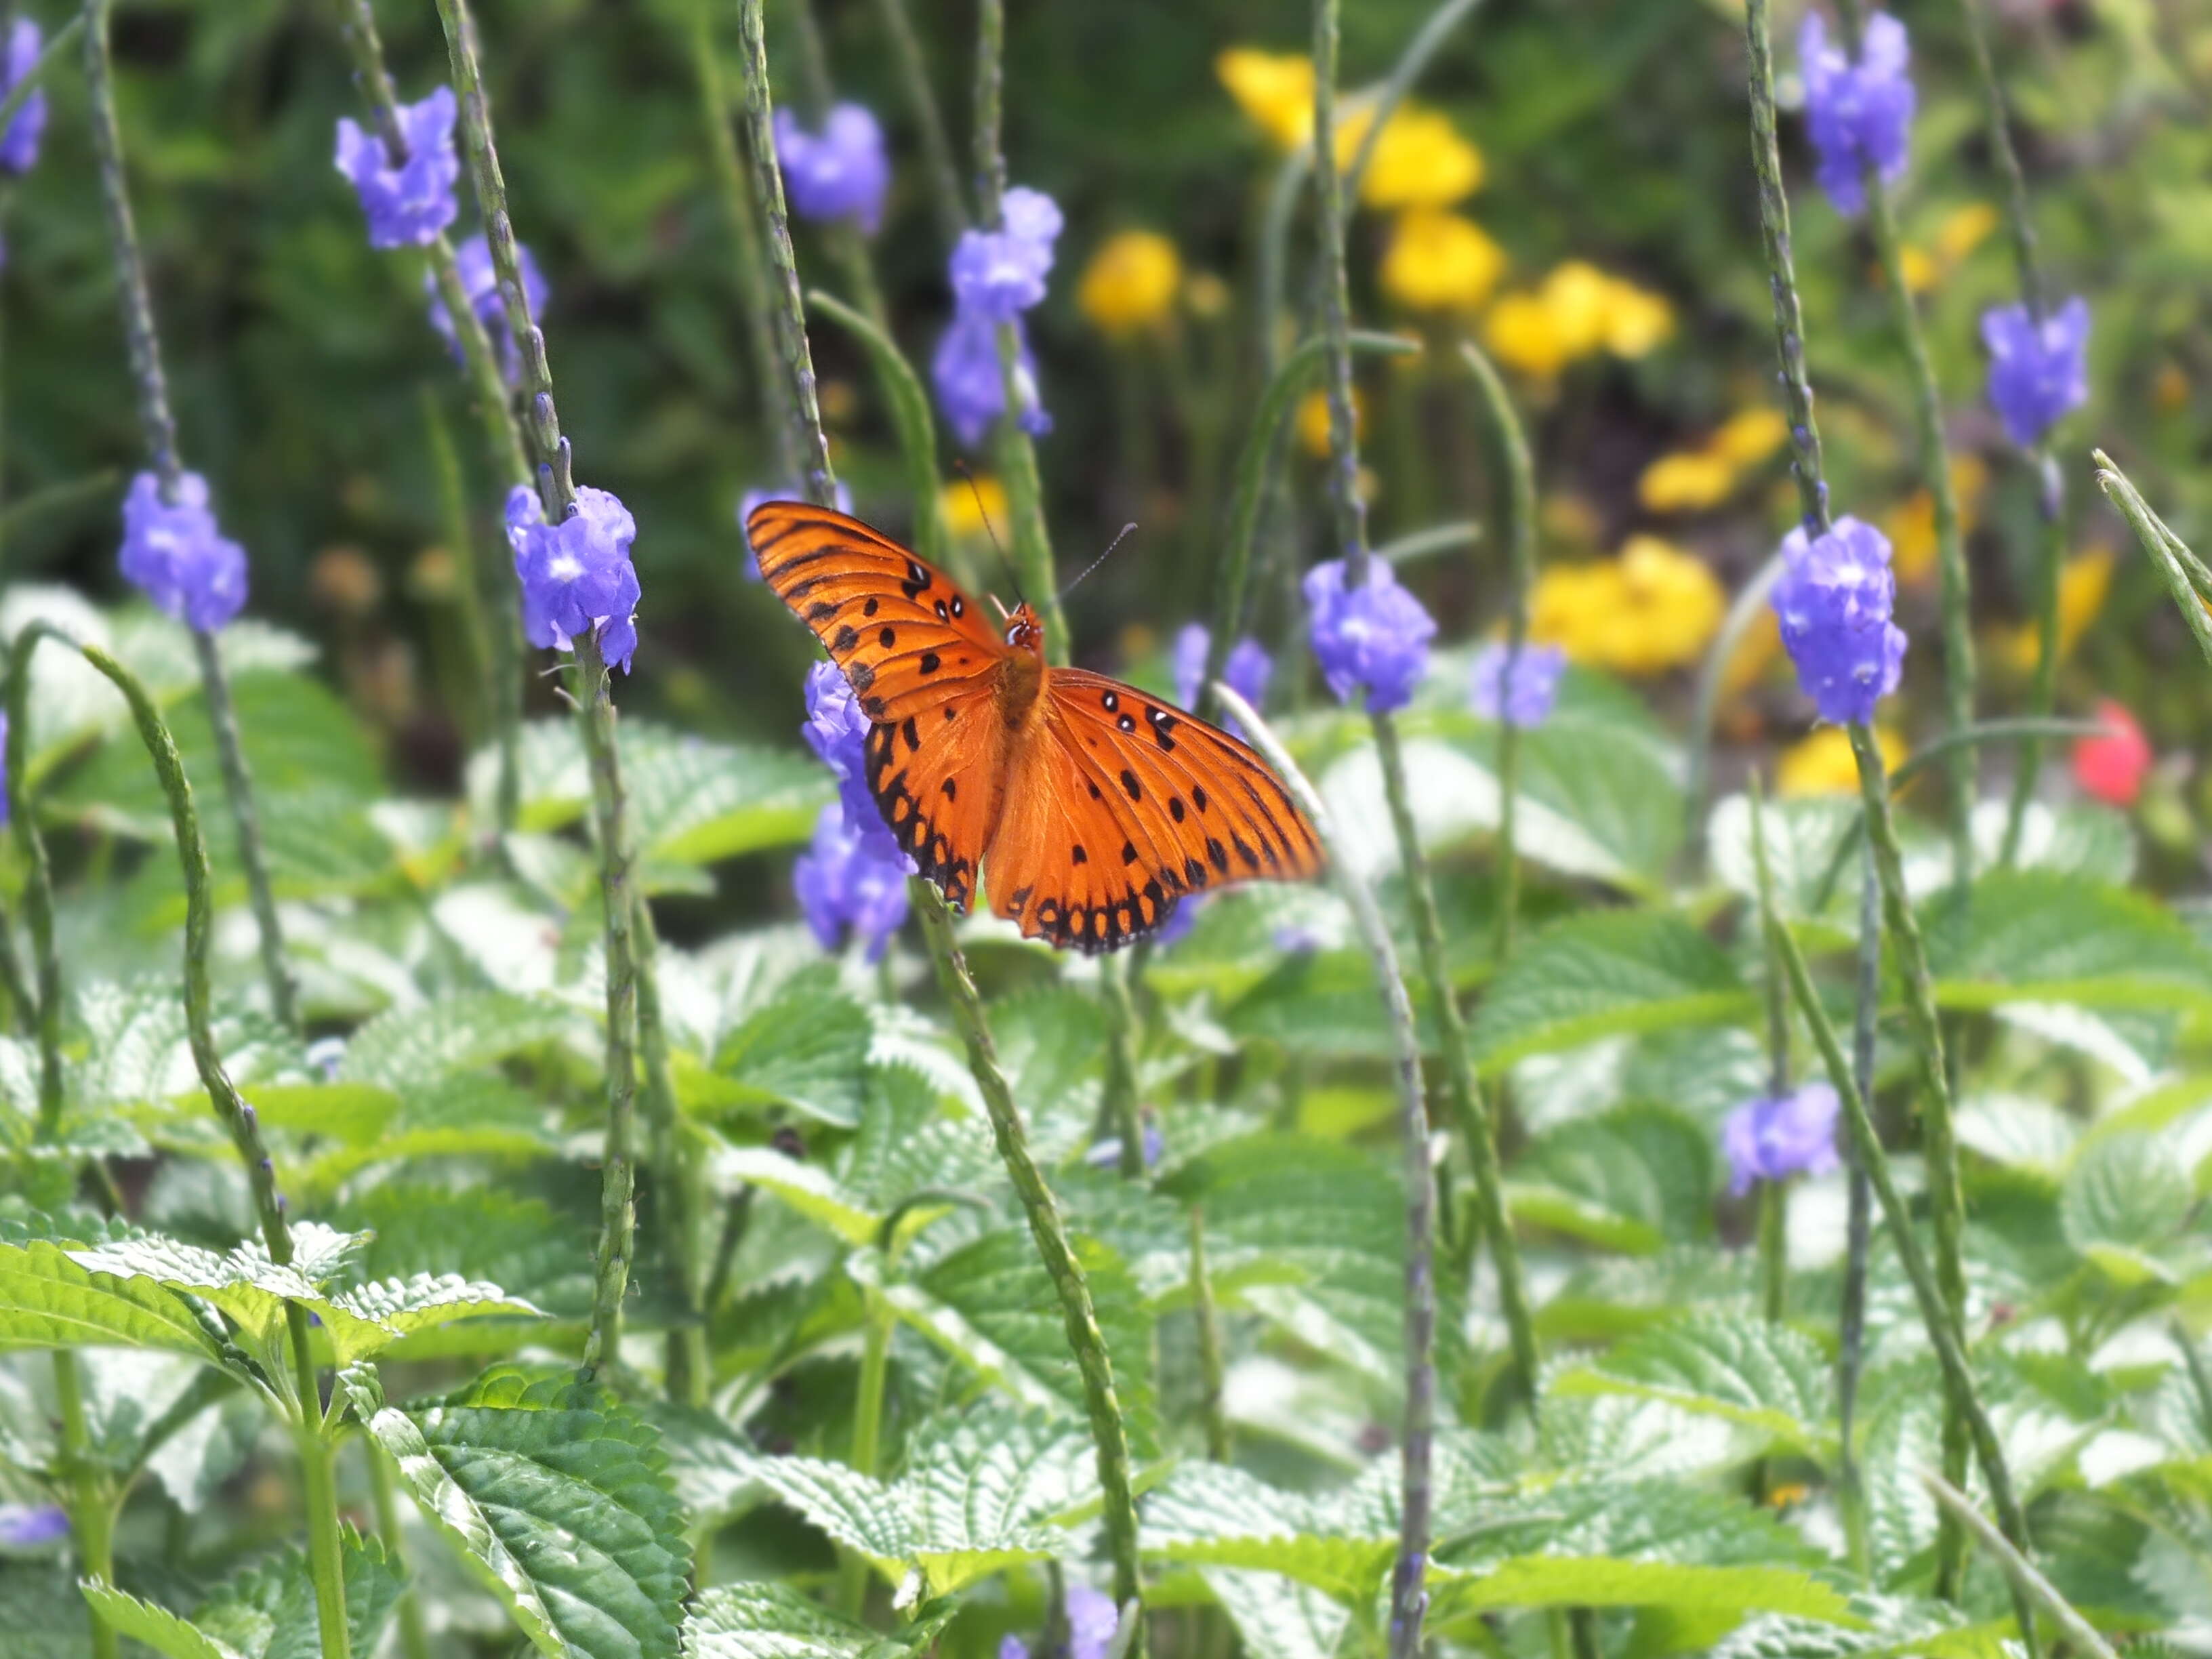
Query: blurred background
[1570, 185]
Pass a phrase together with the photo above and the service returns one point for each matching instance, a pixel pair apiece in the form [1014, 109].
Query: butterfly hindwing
[907, 638]
[936, 777]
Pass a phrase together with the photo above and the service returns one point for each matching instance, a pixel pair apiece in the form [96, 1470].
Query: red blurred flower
[2111, 766]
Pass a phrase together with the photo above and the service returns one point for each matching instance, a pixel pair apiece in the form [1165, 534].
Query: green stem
[679, 1181]
[2043, 694]
[55, 47]
[2176, 563]
[1347, 510]
[1986, 732]
[319, 1492]
[2019, 226]
[1437, 538]
[1749, 603]
[1858, 1226]
[454, 511]
[1514, 477]
[1120, 1083]
[1408, 1598]
[92, 1515]
[909, 405]
[867, 1437]
[1219, 1446]
[38, 879]
[2019, 1569]
[1943, 1331]
[159, 429]
[414, 1634]
[936, 147]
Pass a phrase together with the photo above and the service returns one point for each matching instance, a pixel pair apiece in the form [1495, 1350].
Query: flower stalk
[1212, 1372]
[38, 879]
[159, 429]
[1858, 1223]
[936, 149]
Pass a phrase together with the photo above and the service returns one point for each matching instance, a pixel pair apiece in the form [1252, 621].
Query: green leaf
[404, 1048]
[559, 1499]
[1675, 1586]
[2122, 1197]
[2034, 936]
[772, 1621]
[808, 1188]
[1761, 1376]
[806, 1049]
[157, 1627]
[1277, 1617]
[1604, 974]
[523, 1245]
[1211, 1515]
[48, 1300]
[698, 803]
[1807, 855]
[268, 1611]
[1634, 1180]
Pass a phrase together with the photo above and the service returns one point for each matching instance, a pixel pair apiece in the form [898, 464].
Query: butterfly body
[1096, 806]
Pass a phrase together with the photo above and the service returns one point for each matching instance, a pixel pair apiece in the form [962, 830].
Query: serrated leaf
[806, 1049]
[695, 802]
[1762, 1376]
[157, 1627]
[1638, 1178]
[1277, 1617]
[49, 1300]
[2034, 936]
[1605, 975]
[560, 1500]
[772, 1621]
[268, 1611]
[1676, 1586]
[808, 1188]
[1213, 1516]
[404, 1048]
[2125, 1193]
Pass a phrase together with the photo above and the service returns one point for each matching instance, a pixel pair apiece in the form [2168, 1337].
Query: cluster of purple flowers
[576, 575]
[997, 275]
[1834, 601]
[174, 553]
[841, 175]
[2038, 371]
[1774, 1138]
[1857, 114]
[1092, 1623]
[1373, 637]
[1248, 670]
[408, 198]
[852, 879]
[480, 283]
[1527, 701]
[19, 145]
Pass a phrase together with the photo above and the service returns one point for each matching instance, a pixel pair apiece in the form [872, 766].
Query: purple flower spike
[29, 1527]
[753, 498]
[576, 575]
[846, 881]
[178, 557]
[1528, 702]
[407, 203]
[836, 730]
[1772, 1139]
[841, 175]
[1248, 670]
[481, 283]
[2037, 375]
[1857, 113]
[970, 389]
[999, 274]
[19, 145]
[1834, 602]
[1375, 636]
[1092, 1620]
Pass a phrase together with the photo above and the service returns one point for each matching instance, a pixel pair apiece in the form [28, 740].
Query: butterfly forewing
[909, 640]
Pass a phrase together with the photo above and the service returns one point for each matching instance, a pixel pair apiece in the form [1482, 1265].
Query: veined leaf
[48, 1300]
[404, 1048]
[1604, 974]
[772, 1621]
[560, 1500]
[2034, 936]
[1276, 1616]
[2122, 1197]
[808, 1048]
[157, 1627]
[1743, 1370]
[808, 1188]
[1637, 1179]
[1680, 1586]
[699, 802]
[1213, 1516]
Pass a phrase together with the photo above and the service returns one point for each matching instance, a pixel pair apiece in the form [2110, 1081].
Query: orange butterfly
[1096, 806]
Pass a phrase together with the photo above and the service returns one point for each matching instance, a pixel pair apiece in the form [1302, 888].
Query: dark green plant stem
[678, 1180]
[2176, 566]
[159, 429]
[847, 244]
[325, 1558]
[749, 264]
[91, 1511]
[490, 575]
[1858, 1223]
[866, 1449]
[38, 878]
[414, 1634]
[1419, 544]
[1513, 477]
[2019, 1571]
[2043, 692]
[1212, 1407]
[1109, 1435]
[595, 709]
[1408, 1596]
[1347, 510]
[908, 406]
[1254, 467]
[928, 119]
[1120, 1102]
[454, 511]
[1987, 732]
[1943, 1334]
[2019, 225]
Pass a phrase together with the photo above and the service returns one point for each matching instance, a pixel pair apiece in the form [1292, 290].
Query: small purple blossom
[1537, 672]
[178, 557]
[29, 1527]
[1092, 1620]
[999, 274]
[407, 203]
[1773, 1138]
[481, 283]
[1105, 1154]
[971, 389]
[1834, 602]
[1857, 114]
[1181, 916]
[1374, 637]
[19, 145]
[843, 173]
[1247, 670]
[576, 575]
[846, 881]
[753, 498]
[2037, 375]
[836, 730]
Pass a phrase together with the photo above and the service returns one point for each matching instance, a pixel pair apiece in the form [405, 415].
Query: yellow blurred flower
[1748, 438]
[1313, 420]
[1420, 161]
[1576, 310]
[1275, 90]
[1130, 283]
[1920, 271]
[1964, 229]
[1911, 524]
[1577, 296]
[1636, 320]
[1206, 295]
[1823, 764]
[1521, 334]
[1689, 482]
[1653, 608]
[1755, 652]
[2169, 390]
[1440, 262]
[2083, 586]
[964, 508]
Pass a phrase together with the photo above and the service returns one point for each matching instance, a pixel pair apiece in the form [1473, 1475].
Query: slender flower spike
[19, 145]
[999, 274]
[481, 283]
[408, 202]
[1834, 602]
[845, 882]
[970, 387]
[842, 173]
[2109, 767]
[1773, 1138]
[576, 575]
[1535, 684]
[177, 556]
[753, 498]
[1092, 1622]
[1857, 113]
[1374, 637]
[837, 732]
[2037, 375]
[1248, 670]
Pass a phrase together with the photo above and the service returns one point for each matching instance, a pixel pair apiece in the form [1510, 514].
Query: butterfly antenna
[1126, 529]
[997, 546]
